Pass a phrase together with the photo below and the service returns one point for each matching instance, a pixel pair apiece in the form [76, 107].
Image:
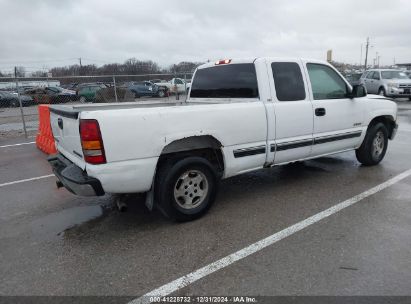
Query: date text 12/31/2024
[203, 299]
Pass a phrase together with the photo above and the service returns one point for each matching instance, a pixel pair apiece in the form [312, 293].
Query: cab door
[338, 120]
[293, 111]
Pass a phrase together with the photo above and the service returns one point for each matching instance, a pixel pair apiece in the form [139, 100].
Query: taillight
[225, 61]
[92, 142]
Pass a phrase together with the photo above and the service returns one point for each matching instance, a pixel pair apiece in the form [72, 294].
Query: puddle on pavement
[55, 224]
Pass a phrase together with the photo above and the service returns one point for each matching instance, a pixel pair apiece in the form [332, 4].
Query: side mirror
[358, 90]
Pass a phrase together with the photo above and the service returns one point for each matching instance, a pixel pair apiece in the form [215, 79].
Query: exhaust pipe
[121, 205]
[59, 184]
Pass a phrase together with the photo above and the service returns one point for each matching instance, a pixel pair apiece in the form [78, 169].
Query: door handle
[60, 123]
[320, 112]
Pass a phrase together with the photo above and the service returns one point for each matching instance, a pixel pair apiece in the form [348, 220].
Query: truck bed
[75, 109]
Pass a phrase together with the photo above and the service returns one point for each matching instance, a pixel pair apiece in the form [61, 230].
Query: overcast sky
[47, 33]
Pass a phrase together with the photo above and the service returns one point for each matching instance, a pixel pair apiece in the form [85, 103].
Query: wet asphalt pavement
[54, 243]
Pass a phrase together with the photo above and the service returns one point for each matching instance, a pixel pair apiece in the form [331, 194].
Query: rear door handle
[60, 123]
[320, 112]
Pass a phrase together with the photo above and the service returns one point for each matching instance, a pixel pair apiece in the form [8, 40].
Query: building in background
[407, 66]
[329, 55]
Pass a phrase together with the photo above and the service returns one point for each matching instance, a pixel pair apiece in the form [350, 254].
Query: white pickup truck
[240, 115]
[175, 85]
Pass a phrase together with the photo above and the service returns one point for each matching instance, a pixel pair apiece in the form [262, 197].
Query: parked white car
[240, 116]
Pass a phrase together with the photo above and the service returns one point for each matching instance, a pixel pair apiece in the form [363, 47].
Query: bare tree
[131, 66]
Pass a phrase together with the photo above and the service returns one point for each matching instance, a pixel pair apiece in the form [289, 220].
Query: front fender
[378, 106]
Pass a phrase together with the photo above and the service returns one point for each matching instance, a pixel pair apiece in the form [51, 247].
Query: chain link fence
[19, 97]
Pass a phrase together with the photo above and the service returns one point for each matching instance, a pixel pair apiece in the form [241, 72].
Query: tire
[178, 185]
[14, 104]
[136, 95]
[161, 94]
[381, 92]
[374, 146]
[83, 99]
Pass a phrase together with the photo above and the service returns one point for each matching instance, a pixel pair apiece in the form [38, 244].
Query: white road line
[27, 143]
[272, 239]
[26, 180]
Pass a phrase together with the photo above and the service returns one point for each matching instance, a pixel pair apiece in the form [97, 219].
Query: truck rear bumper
[74, 178]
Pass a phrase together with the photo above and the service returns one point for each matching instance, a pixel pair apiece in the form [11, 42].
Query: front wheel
[82, 99]
[161, 94]
[185, 188]
[381, 92]
[373, 148]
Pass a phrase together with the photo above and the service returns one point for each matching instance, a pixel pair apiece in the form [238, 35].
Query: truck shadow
[235, 192]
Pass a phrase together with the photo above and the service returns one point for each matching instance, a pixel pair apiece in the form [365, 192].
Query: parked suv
[146, 88]
[390, 83]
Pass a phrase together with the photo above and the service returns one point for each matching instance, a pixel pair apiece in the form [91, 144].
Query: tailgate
[65, 126]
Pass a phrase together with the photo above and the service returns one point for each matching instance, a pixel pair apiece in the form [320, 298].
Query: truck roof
[253, 59]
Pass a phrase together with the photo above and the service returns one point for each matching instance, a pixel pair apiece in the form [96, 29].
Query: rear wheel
[185, 188]
[82, 99]
[373, 148]
[161, 93]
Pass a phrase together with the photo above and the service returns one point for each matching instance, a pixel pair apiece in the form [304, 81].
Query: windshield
[393, 75]
[54, 89]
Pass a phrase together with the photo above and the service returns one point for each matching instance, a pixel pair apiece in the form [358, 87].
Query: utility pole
[79, 60]
[361, 55]
[366, 52]
[377, 59]
[21, 105]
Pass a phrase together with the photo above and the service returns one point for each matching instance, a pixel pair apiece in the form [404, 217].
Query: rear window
[288, 81]
[226, 81]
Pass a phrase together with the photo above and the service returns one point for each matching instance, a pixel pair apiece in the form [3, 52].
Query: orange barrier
[44, 138]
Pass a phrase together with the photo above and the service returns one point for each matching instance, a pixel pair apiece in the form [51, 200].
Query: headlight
[392, 85]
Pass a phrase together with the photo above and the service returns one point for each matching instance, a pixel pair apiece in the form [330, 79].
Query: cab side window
[288, 81]
[325, 82]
